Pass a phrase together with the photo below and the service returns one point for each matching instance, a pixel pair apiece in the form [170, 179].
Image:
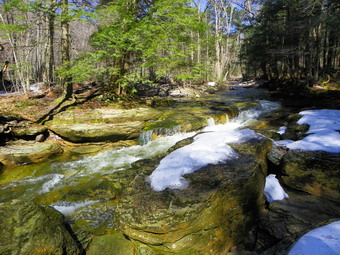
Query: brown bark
[49, 52]
[3, 71]
[65, 47]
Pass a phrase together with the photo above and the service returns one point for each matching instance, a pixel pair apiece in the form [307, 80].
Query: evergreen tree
[288, 38]
[138, 41]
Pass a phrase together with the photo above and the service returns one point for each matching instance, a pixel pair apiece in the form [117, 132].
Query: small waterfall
[147, 136]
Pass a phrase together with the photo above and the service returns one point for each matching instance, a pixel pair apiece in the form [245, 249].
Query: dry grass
[22, 106]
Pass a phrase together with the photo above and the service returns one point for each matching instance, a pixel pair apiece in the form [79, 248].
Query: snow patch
[322, 240]
[273, 190]
[207, 148]
[323, 133]
[282, 130]
[210, 147]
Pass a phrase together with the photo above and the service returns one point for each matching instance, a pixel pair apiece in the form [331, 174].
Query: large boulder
[27, 228]
[105, 115]
[213, 214]
[22, 152]
[315, 172]
[99, 125]
[98, 132]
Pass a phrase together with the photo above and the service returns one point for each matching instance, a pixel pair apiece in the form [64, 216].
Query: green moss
[97, 219]
[24, 104]
[106, 244]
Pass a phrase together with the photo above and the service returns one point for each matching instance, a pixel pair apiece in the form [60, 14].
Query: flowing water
[31, 181]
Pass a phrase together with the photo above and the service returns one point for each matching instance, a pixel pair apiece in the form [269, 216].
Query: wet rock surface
[22, 152]
[212, 215]
[287, 220]
[222, 210]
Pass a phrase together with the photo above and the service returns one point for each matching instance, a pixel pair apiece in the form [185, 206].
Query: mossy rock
[22, 152]
[96, 219]
[191, 117]
[314, 172]
[81, 116]
[187, 118]
[28, 130]
[27, 228]
[209, 217]
[295, 131]
[89, 188]
[101, 125]
[98, 132]
[109, 244]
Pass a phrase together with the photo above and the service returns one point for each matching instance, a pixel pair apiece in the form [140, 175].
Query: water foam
[67, 208]
[47, 186]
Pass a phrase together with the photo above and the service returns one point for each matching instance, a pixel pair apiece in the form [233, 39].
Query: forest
[119, 43]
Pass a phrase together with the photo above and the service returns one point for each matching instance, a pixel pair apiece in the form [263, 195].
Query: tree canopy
[119, 43]
[293, 39]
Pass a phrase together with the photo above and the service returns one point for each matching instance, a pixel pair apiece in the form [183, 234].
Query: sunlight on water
[58, 175]
[122, 158]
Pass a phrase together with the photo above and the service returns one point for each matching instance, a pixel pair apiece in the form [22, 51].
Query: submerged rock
[27, 228]
[28, 152]
[214, 213]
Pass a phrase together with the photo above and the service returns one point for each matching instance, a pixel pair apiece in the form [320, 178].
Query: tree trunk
[49, 52]
[65, 47]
